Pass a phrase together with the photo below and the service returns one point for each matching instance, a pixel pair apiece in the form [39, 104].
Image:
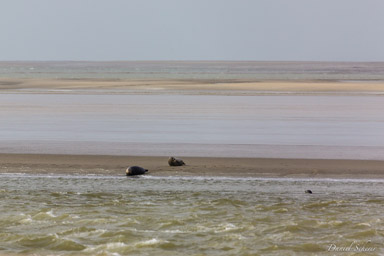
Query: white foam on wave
[364, 224]
[106, 247]
[332, 223]
[149, 242]
[44, 216]
[117, 246]
[28, 219]
[50, 213]
[175, 231]
[225, 228]
[96, 232]
[186, 178]
[279, 237]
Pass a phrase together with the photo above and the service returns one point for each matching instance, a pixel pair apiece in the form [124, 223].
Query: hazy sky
[335, 30]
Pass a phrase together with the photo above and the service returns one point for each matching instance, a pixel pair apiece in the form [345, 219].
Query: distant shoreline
[188, 87]
[196, 166]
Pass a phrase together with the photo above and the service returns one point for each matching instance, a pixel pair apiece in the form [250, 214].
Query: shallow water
[320, 126]
[110, 215]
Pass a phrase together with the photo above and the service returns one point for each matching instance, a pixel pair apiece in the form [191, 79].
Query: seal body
[175, 161]
[135, 170]
[308, 191]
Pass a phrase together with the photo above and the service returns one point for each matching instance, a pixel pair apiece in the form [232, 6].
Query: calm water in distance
[211, 70]
[350, 126]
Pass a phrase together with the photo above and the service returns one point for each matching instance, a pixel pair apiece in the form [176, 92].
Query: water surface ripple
[108, 215]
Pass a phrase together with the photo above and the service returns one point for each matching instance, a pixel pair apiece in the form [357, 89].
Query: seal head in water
[175, 161]
[135, 170]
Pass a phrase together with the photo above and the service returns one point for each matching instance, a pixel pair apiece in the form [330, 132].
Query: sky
[264, 30]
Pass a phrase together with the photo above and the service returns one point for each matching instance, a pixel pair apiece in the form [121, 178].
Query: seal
[308, 191]
[135, 170]
[175, 161]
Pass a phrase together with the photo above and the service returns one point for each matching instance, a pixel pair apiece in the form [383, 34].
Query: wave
[187, 178]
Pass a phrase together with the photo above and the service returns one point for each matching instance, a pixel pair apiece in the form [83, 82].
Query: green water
[108, 215]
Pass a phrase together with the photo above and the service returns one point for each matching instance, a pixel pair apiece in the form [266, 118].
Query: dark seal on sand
[135, 170]
[308, 191]
[175, 162]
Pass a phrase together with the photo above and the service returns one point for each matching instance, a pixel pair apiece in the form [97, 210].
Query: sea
[55, 214]
[118, 215]
[210, 70]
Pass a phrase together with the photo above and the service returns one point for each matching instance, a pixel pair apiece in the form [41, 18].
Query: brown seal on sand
[175, 161]
[135, 170]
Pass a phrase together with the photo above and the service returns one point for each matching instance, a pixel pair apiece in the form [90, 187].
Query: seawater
[118, 215]
[279, 126]
[211, 70]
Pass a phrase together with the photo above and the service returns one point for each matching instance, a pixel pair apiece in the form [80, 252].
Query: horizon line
[286, 61]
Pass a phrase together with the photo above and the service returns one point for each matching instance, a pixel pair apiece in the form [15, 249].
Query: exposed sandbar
[196, 166]
[211, 87]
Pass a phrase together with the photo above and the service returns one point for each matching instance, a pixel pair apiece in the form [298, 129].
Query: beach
[196, 166]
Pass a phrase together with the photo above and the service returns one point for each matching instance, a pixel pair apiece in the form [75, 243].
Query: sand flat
[196, 166]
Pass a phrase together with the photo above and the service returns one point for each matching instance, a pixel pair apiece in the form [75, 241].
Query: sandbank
[196, 166]
[191, 87]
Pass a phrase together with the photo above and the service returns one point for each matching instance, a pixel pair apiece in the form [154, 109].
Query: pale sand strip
[196, 166]
[236, 87]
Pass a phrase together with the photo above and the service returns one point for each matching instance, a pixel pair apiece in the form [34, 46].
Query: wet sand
[196, 166]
